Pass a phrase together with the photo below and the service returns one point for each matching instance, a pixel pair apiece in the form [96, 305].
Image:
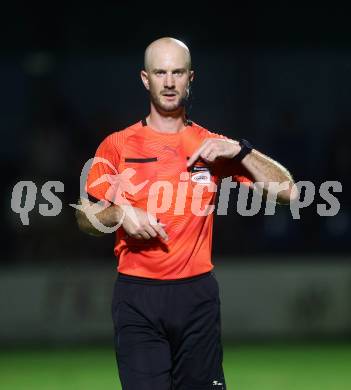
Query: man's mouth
[169, 95]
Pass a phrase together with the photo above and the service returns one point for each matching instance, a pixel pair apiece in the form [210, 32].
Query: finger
[151, 231]
[140, 235]
[144, 235]
[196, 154]
[206, 152]
[211, 156]
[161, 232]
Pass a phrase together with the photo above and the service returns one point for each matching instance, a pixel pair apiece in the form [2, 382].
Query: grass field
[265, 367]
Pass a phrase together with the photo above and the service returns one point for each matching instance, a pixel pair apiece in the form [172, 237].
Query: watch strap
[246, 148]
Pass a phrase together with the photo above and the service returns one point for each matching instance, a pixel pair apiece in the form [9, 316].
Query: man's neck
[171, 123]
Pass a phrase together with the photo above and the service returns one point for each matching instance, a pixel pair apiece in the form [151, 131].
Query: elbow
[81, 221]
[84, 224]
[288, 196]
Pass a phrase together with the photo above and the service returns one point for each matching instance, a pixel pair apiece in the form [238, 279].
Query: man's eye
[159, 73]
[178, 73]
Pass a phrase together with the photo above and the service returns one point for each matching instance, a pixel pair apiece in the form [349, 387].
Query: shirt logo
[203, 177]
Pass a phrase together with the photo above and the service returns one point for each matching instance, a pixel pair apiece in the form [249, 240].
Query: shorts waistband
[139, 279]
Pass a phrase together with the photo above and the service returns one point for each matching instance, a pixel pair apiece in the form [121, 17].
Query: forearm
[108, 217]
[274, 178]
[264, 169]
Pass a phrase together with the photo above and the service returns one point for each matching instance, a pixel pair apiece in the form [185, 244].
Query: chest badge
[200, 173]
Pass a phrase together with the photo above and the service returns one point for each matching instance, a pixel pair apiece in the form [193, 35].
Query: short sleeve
[103, 170]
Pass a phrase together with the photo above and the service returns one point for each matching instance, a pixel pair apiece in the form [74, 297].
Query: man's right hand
[136, 222]
[141, 225]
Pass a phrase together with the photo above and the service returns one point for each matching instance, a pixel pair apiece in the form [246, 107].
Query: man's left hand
[212, 148]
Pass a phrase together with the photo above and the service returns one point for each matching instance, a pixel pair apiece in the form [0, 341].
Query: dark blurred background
[277, 76]
[280, 77]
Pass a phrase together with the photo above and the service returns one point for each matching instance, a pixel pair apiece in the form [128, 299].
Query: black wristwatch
[246, 148]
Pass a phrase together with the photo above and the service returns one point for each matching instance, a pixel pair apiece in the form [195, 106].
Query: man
[166, 300]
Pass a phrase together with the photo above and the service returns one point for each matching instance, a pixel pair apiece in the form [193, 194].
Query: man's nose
[169, 80]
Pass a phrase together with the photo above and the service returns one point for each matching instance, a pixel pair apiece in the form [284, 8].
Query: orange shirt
[182, 195]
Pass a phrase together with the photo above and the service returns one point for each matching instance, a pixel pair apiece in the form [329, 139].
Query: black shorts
[168, 333]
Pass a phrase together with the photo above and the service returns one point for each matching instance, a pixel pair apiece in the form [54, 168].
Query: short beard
[168, 109]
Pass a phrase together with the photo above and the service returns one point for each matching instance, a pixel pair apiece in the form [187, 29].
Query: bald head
[167, 74]
[166, 48]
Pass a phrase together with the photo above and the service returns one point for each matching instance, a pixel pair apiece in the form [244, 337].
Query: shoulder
[117, 139]
[203, 132]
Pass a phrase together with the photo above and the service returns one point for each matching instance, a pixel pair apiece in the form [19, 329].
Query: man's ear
[191, 76]
[145, 79]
